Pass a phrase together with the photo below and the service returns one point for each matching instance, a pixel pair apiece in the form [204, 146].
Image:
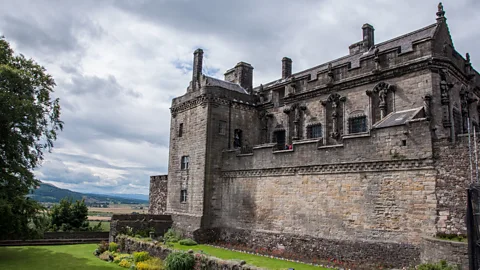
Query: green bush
[187, 242]
[120, 257]
[150, 264]
[112, 247]
[172, 236]
[102, 247]
[140, 256]
[125, 263]
[442, 265]
[179, 261]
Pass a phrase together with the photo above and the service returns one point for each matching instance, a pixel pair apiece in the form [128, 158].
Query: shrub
[150, 264]
[119, 257]
[172, 236]
[102, 247]
[179, 261]
[106, 256]
[112, 247]
[124, 263]
[187, 242]
[140, 256]
[442, 265]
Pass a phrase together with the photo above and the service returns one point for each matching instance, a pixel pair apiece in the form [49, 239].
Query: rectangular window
[457, 121]
[184, 163]
[357, 124]
[281, 96]
[314, 131]
[279, 138]
[222, 127]
[183, 195]
[180, 130]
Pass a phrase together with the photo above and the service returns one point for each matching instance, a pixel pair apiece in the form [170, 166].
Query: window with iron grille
[180, 130]
[357, 124]
[222, 127]
[314, 131]
[184, 163]
[183, 195]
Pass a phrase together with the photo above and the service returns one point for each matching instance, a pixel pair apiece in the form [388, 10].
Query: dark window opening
[237, 138]
[222, 127]
[180, 130]
[183, 195]
[457, 121]
[357, 124]
[281, 96]
[279, 138]
[404, 142]
[314, 131]
[184, 163]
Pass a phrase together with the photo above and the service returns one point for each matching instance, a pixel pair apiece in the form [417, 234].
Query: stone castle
[361, 158]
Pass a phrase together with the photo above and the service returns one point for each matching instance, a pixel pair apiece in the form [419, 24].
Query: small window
[314, 131]
[184, 163]
[183, 195]
[237, 138]
[357, 124]
[222, 127]
[457, 121]
[279, 138]
[180, 130]
[281, 96]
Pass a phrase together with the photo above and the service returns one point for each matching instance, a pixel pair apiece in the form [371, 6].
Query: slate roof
[398, 118]
[210, 81]
[404, 42]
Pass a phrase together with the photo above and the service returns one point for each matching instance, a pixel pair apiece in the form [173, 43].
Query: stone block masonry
[158, 194]
[119, 223]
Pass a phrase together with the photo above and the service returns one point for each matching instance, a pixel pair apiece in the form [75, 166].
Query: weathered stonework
[366, 149]
[158, 194]
[119, 224]
[434, 250]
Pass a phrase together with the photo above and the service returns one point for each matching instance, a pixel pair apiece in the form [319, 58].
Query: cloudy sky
[118, 64]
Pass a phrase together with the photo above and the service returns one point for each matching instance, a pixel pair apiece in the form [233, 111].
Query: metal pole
[470, 151]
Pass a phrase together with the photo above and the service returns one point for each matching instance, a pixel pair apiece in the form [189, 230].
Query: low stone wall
[434, 250]
[354, 254]
[130, 245]
[138, 222]
[75, 235]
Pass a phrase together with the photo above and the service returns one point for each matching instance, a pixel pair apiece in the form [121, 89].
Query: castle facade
[366, 153]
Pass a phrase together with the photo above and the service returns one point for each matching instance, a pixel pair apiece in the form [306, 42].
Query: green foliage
[150, 264]
[179, 261]
[102, 247]
[112, 247]
[120, 257]
[106, 256]
[187, 242]
[442, 265]
[125, 263]
[29, 122]
[452, 237]
[140, 256]
[172, 236]
[68, 216]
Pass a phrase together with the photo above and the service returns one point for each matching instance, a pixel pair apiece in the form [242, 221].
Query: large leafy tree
[29, 122]
[67, 216]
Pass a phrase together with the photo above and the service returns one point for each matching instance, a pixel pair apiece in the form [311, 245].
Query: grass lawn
[256, 260]
[74, 257]
[105, 225]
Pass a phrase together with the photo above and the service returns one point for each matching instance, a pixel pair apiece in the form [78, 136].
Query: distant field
[105, 225]
[101, 213]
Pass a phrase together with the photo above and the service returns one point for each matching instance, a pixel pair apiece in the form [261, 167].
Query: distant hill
[52, 194]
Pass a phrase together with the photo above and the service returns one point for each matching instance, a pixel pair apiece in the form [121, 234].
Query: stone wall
[434, 250]
[130, 245]
[158, 194]
[453, 179]
[119, 223]
[353, 254]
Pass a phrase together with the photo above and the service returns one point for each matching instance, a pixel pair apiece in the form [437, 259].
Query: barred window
[184, 163]
[183, 195]
[314, 131]
[222, 127]
[357, 124]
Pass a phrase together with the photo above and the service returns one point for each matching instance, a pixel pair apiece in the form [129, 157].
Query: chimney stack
[368, 36]
[197, 68]
[286, 67]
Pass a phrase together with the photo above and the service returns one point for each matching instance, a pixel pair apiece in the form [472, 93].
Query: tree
[29, 122]
[68, 216]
